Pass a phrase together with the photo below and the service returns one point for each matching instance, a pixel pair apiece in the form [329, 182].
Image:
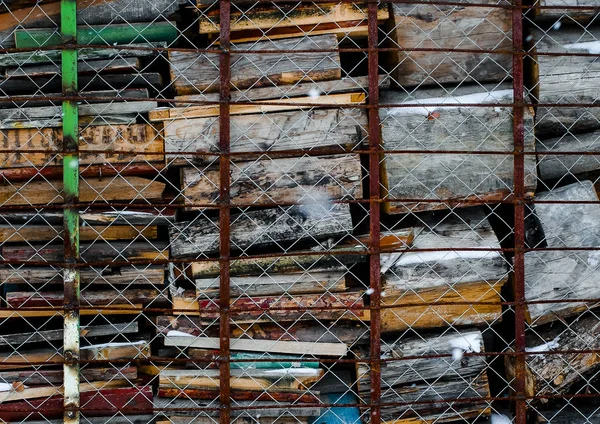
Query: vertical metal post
[71, 215]
[224, 212]
[375, 211]
[519, 196]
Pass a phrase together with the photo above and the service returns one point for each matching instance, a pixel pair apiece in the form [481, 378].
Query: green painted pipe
[100, 35]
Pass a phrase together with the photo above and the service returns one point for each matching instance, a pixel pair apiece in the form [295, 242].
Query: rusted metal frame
[374, 211]
[519, 212]
[224, 212]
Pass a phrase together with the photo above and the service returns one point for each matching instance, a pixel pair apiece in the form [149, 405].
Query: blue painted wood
[338, 415]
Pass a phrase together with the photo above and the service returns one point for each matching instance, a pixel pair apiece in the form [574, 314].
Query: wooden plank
[289, 16]
[42, 57]
[113, 34]
[560, 373]
[200, 419]
[44, 336]
[565, 80]
[53, 99]
[282, 180]
[91, 190]
[276, 396]
[38, 233]
[101, 402]
[276, 284]
[26, 299]
[451, 177]
[271, 346]
[343, 31]
[343, 129]
[432, 379]
[114, 309]
[48, 391]
[119, 64]
[53, 122]
[563, 274]
[554, 165]
[302, 103]
[262, 228]
[332, 258]
[342, 85]
[90, 12]
[96, 216]
[96, 252]
[126, 275]
[550, 11]
[192, 73]
[415, 281]
[284, 307]
[427, 26]
[55, 376]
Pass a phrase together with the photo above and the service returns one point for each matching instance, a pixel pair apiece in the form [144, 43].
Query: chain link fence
[318, 212]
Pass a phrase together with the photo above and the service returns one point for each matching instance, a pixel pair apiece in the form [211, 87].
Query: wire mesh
[316, 212]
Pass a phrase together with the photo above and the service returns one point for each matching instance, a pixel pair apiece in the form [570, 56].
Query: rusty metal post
[71, 215]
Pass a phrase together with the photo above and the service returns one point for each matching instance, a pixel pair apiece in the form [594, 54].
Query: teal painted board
[338, 415]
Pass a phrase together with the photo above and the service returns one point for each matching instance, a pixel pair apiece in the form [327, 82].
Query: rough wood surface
[555, 14]
[566, 80]
[115, 309]
[342, 30]
[304, 396]
[560, 373]
[343, 129]
[121, 64]
[553, 165]
[88, 298]
[469, 27]
[91, 190]
[564, 274]
[95, 216]
[49, 376]
[451, 177]
[98, 144]
[282, 105]
[96, 252]
[192, 73]
[262, 228]
[453, 274]
[201, 419]
[282, 180]
[127, 275]
[49, 391]
[38, 233]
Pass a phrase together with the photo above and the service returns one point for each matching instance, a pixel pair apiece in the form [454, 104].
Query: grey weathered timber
[280, 180]
[342, 85]
[41, 123]
[560, 373]
[435, 379]
[567, 14]
[89, 12]
[573, 413]
[116, 419]
[431, 26]
[193, 73]
[566, 80]
[134, 275]
[53, 57]
[553, 165]
[261, 228]
[127, 64]
[94, 216]
[454, 273]
[451, 177]
[275, 284]
[45, 336]
[564, 274]
[294, 130]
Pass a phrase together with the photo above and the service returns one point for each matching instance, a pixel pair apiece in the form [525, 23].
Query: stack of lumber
[559, 81]
[559, 287]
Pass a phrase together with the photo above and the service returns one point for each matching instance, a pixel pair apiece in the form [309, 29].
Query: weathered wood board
[91, 190]
[36, 299]
[97, 145]
[38, 233]
[550, 11]
[554, 165]
[439, 379]
[451, 177]
[273, 181]
[262, 228]
[465, 27]
[560, 79]
[193, 73]
[55, 376]
[343, 129]
[549, 372]
[415, 281]
[122, 64]
[95, 216]
[564, 274]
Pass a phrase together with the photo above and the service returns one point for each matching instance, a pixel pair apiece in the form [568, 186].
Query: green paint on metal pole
[71, 214]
